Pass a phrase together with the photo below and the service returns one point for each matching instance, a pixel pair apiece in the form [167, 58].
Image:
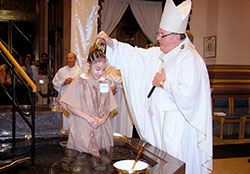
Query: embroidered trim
[205, 136]
[163, 128]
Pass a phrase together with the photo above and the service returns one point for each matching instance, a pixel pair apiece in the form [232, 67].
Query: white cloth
[121, 123]
[58, 83]
[62, 74]
[176, 119]
[34, 72]
[84, 24]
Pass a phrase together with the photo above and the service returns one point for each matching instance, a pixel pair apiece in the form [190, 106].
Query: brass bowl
[125, 167]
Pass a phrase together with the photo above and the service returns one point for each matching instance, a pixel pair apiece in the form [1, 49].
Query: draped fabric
[122, 122]
[112, 14]
[84, 16]
[147, 14]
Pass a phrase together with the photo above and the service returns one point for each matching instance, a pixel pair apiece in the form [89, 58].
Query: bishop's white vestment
[58, 83]
[177, 118]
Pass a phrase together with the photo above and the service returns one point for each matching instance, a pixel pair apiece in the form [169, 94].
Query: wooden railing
[229, 79]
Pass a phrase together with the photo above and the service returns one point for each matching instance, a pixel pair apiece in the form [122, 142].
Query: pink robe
[84, 94]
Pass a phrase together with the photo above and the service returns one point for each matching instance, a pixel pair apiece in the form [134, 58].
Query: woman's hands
[96, 122]
[93, 121]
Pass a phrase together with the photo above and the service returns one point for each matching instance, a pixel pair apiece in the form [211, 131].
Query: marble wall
[47, 124]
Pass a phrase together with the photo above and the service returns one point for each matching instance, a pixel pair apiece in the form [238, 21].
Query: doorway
[19, 37]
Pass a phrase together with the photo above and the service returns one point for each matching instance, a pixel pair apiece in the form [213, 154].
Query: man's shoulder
[34, 67]
[62, 68]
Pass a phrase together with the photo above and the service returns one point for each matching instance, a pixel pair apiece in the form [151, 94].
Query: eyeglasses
[162, 36]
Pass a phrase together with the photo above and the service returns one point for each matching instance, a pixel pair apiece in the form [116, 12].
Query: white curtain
[122, 122]
[112, 14]
[147, 14]
[84, 16]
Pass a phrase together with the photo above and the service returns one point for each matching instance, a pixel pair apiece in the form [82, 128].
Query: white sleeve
[35, 73]
[58, 81]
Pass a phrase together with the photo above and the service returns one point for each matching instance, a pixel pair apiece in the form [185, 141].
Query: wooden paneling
[66, 26]
[17, 5]
[229, 79]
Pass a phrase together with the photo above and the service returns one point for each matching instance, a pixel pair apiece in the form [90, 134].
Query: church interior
[32, 134]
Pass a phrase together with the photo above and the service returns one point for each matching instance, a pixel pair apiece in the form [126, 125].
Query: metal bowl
[125, 166]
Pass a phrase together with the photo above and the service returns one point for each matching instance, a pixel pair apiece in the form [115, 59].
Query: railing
[28, 117]
[18, 67]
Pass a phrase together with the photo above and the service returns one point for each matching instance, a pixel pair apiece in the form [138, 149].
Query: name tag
[104, 88]
[41, 81]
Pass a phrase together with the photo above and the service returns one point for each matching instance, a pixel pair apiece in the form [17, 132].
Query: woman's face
[97, 69]
[27, 61]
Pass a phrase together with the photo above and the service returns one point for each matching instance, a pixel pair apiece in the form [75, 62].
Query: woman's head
[96, 63]
[27, 61]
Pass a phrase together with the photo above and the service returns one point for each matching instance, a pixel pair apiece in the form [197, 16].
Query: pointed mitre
[174, 19]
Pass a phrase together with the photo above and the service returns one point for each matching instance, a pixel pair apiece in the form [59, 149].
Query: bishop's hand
[108, 40]
[159, 78]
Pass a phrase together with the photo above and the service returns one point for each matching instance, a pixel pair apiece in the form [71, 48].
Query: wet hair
[96, 55]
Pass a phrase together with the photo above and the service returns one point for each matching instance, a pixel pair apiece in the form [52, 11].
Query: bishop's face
[167, 40]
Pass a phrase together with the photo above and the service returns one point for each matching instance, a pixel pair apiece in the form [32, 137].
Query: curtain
[84, 16]
[84, 22]
[148, 15]
[112, 14]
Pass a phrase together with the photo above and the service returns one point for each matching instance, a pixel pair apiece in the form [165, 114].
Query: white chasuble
[176, 119]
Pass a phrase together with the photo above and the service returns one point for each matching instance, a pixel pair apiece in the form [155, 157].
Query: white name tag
[41, 81]
[104, 88]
